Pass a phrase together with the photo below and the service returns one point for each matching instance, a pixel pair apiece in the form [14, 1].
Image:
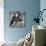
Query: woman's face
[16, 15]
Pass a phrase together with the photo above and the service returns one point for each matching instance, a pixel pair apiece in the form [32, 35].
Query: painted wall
[30, 7]
[43, 6]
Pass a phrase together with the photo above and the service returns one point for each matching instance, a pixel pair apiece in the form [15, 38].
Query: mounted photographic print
[17, 19]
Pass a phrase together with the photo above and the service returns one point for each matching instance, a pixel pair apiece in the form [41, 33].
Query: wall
[43, 6]
[1, 21]
[30, 7]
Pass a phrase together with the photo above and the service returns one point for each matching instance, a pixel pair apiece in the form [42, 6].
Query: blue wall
[43, 6]
[30, 7]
